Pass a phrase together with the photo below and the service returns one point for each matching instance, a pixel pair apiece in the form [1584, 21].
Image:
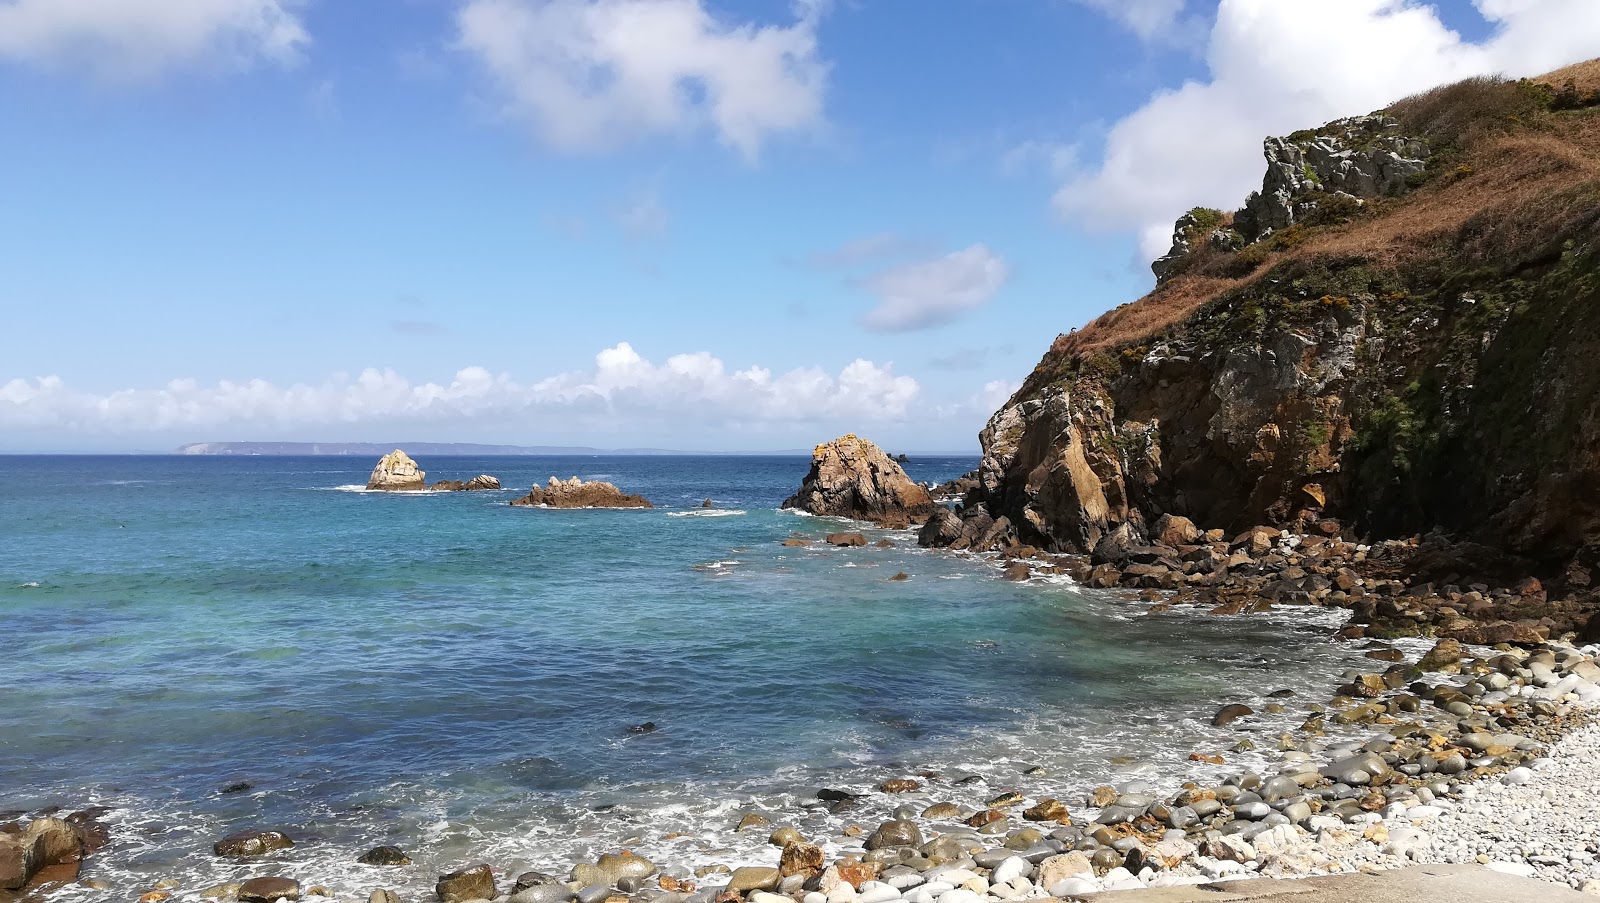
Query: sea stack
[396, 472]
[851, 477]
[575, 493]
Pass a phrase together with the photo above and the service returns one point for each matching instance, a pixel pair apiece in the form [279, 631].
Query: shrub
[1460, 114]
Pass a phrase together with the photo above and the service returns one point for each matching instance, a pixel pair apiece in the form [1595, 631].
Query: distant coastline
[421, 448]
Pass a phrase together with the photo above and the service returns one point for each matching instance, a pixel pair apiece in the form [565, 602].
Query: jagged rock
[851, 477]
[575, 493]
[396, 472]
[45, 843]
[1171, 530]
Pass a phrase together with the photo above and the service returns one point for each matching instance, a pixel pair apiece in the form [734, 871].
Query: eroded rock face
[396, 472]
[575, 493]
[851, 477]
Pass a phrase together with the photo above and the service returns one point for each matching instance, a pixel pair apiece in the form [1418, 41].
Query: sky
[692, 224]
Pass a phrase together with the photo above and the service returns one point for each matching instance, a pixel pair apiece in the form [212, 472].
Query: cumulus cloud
[1276, 67]
[592, 74]
[933, 292]
[686, 389]
[141, 39]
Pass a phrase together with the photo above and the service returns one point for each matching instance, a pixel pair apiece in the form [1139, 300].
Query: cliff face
[1401, 334]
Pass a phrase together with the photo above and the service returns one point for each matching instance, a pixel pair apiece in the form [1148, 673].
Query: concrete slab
[1427, 883]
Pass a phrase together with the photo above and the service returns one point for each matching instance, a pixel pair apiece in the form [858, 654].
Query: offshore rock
[481, 481]
[575, 493]
[251, 843]
[851, 477]
[396, 472]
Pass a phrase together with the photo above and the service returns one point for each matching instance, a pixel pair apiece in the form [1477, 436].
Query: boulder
[575, 493]
[251, 843]
[396, 472]
[472, 883]
[267, 890]
[851, 477]
[1230, 713]
[384, 856]
[800, 859]
[845, 539]
[1171, 530]
[45, 843]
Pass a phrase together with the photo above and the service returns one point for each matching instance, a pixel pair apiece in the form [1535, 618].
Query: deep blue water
[457, 676]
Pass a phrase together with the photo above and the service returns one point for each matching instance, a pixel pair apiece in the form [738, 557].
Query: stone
[752, 878]
[46, 843]
[383, 895]
[472, 883]
[897, 833]
[753, 820]
[845, 539]
[384, 856]
[396, 472]
[851, 477]
[266, 890]
[783, 836]
[1047, 810]
[1066, 865]
[1230, 713]
[1171, 530]
[1444, 654]
[616, 866]
[1017, 572]
[251, 843]
[575, 493]
[800, 859]
[900, 785]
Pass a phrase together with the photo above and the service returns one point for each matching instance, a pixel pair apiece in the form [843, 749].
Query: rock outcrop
[1334, 169]
[851, 477]
[46, 843]
[481, 481]
[1374, 378]
[396, 472]
[575, 493]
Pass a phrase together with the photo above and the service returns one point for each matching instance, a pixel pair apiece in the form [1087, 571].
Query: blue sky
[680, 223]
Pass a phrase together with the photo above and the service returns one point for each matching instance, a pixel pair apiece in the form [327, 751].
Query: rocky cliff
[1397, 334]
[851, 477]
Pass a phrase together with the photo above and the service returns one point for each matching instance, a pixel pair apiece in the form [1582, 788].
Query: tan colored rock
[575, 493]
[47, 843]
[473, 883]
[267, 890]
[1172, 530]
[851, 477]
[396, 472]
[800, 859]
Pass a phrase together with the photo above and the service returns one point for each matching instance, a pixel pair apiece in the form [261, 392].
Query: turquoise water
[456, 676]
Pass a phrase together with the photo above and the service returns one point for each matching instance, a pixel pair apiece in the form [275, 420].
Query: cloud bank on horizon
[621, 387]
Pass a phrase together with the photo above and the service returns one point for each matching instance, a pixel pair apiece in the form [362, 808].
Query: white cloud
[592, 74]
[142, 39]
[932, 292]
[1276, 67]
[686, 391]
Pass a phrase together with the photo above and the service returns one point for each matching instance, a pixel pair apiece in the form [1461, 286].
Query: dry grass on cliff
[1506, 196]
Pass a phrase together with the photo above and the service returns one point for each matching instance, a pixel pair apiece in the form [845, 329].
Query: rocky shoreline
[1413, 761]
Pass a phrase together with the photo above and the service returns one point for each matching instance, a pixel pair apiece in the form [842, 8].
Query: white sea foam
[707, 512]
[31, 584]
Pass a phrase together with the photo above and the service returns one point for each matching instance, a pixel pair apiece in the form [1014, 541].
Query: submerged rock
[575, 493]
[851, 477]
[396, 472]
[384, 856]
[251, 843]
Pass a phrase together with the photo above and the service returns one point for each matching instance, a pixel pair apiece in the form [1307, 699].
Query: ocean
[457, 677]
